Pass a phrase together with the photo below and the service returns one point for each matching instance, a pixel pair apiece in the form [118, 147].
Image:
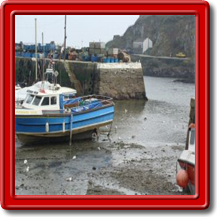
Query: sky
[81, 29]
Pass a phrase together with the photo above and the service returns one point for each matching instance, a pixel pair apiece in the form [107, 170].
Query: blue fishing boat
[58, 113]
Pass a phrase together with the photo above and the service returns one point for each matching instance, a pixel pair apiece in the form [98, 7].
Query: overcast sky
[81, 29]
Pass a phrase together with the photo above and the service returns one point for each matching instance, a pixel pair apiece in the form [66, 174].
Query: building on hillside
[141, 45]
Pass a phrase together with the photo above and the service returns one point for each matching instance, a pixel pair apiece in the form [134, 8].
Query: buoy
[182, 178]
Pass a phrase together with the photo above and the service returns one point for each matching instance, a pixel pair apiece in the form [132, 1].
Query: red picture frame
[201, 11]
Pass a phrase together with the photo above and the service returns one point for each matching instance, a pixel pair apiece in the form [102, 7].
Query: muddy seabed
[92, 168]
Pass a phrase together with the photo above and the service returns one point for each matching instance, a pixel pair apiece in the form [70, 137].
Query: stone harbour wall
[121, 80]
[117, 80]
[82, 76]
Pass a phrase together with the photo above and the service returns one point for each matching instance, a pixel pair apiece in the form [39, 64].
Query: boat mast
[65, 40]
[36, 47]
[43, 55]
[64, 46]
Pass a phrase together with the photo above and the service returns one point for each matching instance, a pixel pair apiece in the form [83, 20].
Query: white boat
[21, 93]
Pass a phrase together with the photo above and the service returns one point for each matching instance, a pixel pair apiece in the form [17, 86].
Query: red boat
[186, 175]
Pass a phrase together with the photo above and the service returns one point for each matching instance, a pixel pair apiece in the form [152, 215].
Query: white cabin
[46, 99]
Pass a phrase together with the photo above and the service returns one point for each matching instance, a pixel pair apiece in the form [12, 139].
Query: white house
[140, 45]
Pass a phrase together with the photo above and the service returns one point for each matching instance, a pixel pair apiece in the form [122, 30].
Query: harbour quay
[121, 81]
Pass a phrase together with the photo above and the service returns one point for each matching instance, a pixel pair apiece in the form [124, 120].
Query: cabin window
[45, 101]
[29, 99]
[53, 100]
[36, 100]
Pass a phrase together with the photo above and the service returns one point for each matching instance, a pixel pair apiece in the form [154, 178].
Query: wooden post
[71, 125]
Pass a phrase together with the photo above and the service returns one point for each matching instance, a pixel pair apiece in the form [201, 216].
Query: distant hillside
[170, 34]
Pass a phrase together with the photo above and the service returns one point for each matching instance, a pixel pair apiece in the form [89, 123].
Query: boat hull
[187, 162]
[29, 128]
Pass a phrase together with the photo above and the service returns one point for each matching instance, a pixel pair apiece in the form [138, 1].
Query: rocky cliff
[170, 35]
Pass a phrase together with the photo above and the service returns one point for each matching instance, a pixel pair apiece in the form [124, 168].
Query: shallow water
[163, 119]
